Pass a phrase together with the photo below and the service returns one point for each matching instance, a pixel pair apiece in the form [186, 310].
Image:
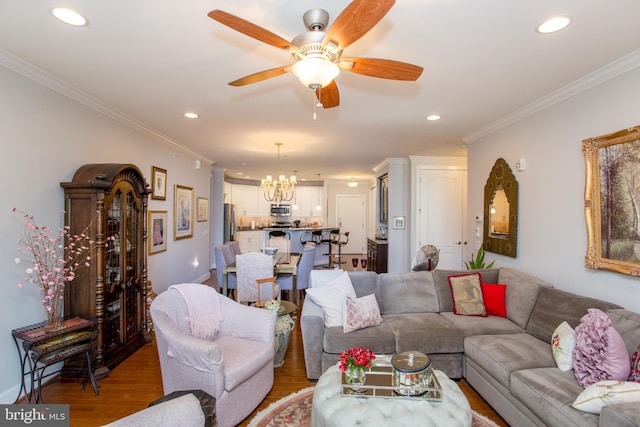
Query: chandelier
[281, 189]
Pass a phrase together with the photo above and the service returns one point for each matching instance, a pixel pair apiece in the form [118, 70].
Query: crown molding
[38, 75]
[608, 72]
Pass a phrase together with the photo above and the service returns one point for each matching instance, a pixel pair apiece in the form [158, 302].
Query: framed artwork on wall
[182, 212]
[398, 222]
[159, 183]
[203, 209]
[158, 225]
[612, 192]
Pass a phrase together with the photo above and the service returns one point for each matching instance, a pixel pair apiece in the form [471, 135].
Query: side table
[41, 348]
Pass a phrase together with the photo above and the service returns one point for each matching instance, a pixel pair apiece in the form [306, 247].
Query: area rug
[295, 411]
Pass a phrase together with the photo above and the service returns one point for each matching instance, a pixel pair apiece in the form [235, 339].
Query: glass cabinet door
[122, 272]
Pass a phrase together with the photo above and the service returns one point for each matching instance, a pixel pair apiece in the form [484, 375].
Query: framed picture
[203, 209]
[182, 212]
[612, 191]
[398, 222]
[159, 182]
[158, 225]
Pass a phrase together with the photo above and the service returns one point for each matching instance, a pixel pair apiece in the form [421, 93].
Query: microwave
[280, 209]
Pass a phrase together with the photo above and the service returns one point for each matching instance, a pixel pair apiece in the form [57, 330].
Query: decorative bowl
[272, 305]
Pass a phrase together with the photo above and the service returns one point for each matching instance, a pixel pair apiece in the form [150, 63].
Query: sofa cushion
[379, 339]
[549, 393]
[365, 283]
[425, 332]
[522, 294]
[608, 392]
[466, 291]
[501, 355]
[600, 353]
[473, 325]
[361, 313]
[412, 292]
[555, 306]
[441, 283]
[628, 324]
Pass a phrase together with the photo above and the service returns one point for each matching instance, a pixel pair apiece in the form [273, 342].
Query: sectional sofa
[508, 360]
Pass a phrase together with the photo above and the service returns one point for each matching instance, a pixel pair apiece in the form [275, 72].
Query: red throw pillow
[494, 296]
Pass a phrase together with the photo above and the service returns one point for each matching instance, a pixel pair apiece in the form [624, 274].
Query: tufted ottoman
[330, 408]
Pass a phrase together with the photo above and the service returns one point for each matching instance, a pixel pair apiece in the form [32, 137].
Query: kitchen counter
[299, 228]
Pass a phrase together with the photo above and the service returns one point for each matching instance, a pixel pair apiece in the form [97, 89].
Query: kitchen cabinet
[377, 255]
[112, 199]
[250, 241]
[245, 197]
[308, 200]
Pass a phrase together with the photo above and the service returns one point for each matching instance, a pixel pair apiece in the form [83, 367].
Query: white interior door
[440, 213]
[351, 214]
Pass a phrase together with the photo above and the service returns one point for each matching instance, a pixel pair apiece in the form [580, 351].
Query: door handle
[458, 242]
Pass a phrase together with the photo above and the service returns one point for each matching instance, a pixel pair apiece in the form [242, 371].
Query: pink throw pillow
[361, 313]
[600, 353]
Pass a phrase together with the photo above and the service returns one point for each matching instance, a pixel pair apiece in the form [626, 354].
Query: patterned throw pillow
[604, 393]
[467, 295]
[635, 366]
[600, 353]
[361, 313]
[563, 341]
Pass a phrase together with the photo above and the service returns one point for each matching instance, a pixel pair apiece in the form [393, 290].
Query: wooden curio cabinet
[113, 199]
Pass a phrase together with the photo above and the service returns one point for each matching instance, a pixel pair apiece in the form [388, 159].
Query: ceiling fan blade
[356, 20]
[329, 95]
[251, 30]
[260, 76]
[382, 68]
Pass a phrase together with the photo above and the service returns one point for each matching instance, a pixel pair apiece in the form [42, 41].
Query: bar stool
[337, 239]
[279, 233]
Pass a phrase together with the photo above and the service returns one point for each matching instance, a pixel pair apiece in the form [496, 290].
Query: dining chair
[284, 247]
[221, 262]
[304, 270]
[235, 247]
[251, 267]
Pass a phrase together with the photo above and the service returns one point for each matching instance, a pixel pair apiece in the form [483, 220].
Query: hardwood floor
[137, 381]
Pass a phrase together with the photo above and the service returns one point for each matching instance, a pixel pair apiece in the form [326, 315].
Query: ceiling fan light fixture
[315, 71]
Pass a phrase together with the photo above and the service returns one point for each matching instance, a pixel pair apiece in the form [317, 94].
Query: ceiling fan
[318, 53]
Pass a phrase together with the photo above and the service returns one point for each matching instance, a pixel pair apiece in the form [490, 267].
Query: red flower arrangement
[356, 358]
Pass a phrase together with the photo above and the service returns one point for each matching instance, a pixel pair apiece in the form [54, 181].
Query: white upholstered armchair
[209, 342]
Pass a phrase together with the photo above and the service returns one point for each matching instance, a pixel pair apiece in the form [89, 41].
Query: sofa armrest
[620, 415]
[312, 327]
[177, 409]
[207, 404]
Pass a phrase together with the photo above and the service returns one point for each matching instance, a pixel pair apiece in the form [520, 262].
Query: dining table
[281, 265]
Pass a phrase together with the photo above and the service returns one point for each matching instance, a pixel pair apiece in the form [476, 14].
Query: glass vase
[356, 376]
[54, 307]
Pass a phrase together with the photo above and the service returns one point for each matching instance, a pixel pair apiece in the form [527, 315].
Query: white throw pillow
[331, 297]
[563, 341]
[361, 313]
[318, 278]
[607, 392]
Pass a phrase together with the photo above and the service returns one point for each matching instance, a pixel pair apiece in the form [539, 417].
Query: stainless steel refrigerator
[229, 222]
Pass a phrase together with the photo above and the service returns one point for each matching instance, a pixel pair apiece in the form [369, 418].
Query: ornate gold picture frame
[612, 201]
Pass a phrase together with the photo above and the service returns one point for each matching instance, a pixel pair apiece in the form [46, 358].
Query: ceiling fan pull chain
[315, 104]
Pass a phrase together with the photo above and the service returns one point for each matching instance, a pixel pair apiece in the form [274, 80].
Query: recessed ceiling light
[191, 115]
[433, 117]
[554, 24]
[69, 16]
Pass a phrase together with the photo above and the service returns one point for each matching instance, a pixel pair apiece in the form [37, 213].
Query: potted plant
[477, 262]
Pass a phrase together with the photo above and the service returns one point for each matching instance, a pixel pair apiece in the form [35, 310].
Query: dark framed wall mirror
[501, 210]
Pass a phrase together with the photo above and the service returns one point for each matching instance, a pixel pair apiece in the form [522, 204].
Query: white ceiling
[153, 60]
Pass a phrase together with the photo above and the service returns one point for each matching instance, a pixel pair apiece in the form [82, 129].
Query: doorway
[351, 215]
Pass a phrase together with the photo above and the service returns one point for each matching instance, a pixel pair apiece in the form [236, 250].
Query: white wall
[552, 237]
[45, 137]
